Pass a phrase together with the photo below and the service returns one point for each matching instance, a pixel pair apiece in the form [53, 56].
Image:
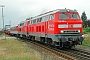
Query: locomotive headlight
[82, 35]
[61, 31]
[79, 31]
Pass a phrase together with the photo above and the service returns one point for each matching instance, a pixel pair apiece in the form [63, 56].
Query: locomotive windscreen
[63, 16]
[68, 16]
[74, 16]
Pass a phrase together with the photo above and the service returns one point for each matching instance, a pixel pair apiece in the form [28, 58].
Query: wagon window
[63, 16]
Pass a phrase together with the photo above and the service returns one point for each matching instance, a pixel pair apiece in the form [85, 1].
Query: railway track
[81, 54]
[68, 54]
[78, 54]
[56, 55]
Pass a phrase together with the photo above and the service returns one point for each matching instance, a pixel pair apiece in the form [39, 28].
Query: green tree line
[86, 29]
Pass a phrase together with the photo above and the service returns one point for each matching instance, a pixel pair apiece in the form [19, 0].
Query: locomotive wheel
[42, 40]
[70, 47]
[49, 42]
[33, 38]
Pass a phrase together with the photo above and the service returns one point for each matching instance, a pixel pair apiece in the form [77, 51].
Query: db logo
[70, 25]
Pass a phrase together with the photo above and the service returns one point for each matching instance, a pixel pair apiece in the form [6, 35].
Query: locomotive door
[46, 27]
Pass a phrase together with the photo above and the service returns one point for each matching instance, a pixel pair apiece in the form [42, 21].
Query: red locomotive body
[62, 27]
[23, 29]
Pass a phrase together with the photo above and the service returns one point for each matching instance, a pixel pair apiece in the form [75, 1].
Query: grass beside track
[12, 49]
[4, 35]
[86, 41]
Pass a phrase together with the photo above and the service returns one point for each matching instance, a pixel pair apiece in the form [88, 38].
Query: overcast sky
[18, 10]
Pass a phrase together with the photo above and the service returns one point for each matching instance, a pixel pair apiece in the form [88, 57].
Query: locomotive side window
[46, 18]
[21, 24]
[34, 21]
[52, 17]
[40, 19]
[74, 16]
[31, 21]
[43, 19]
[63, 16]
[18, 24]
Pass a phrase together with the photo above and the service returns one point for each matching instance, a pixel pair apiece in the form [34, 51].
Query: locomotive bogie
[71, 40]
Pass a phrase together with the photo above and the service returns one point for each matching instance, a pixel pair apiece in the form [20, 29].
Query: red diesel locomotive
[23, 29]
[61, 27]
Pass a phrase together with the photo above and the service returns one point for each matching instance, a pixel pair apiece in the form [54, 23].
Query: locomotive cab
[69, 28]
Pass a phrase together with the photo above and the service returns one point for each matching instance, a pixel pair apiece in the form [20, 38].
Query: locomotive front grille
[70, 31]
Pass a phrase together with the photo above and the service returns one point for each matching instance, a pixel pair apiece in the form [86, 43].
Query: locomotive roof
[22, 22]
[54, 11]
[66, 10]
[61, 10]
